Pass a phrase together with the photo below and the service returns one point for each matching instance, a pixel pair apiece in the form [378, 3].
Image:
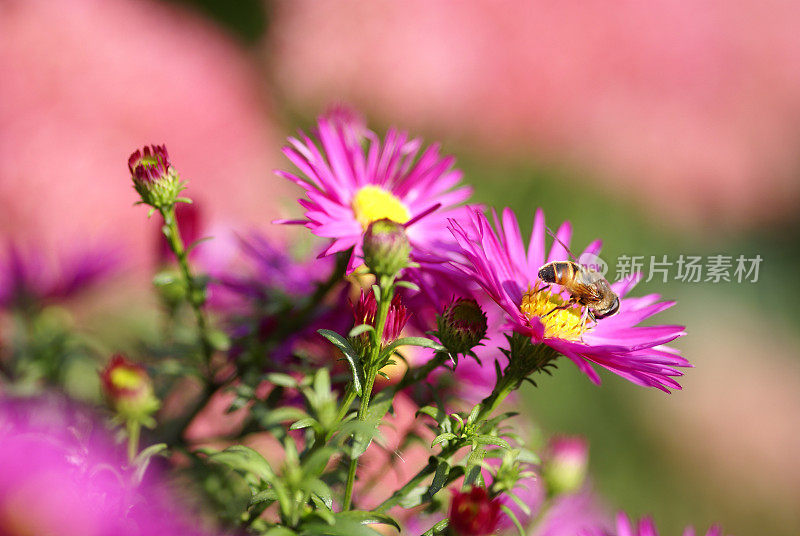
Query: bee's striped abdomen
[558, 272]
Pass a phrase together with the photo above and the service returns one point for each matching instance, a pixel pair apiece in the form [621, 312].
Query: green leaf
[267, 495]
[280, 531]
[279, 415]
[244, 459]
[491, 440]
[514, 519]
[303, 423]
[142, 460]
[422, 342]
[349, 353]
[441, 438]
[283, 380]
[358, 330]
[341, 527]
[369, 518]
[409, 285]
[439, 479]
[435, 413]
[315, 464]
[522, 506]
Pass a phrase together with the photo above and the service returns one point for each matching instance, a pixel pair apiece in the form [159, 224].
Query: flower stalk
[195, 293]
[370, 372]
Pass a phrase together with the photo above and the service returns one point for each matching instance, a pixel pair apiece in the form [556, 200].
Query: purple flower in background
[356, 179]
[508, 273]
[261, 292]
[645, 527]
[60, 473]
[29, 278]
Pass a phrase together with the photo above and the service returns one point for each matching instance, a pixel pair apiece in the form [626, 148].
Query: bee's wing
[587, 284]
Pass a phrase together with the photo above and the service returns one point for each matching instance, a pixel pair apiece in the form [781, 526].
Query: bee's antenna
[553, 235]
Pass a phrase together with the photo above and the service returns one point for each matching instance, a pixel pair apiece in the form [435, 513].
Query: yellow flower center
[126, 378]
[373, 203]
[561, 324]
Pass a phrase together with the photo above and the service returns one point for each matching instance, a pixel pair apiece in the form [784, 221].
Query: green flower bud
[386, 247]
[462, 325]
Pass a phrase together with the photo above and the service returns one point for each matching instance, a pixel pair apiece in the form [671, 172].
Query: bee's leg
[584, 316]
[543, 288]
[558, 308]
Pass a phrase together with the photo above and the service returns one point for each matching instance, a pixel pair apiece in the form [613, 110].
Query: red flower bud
[474, 513]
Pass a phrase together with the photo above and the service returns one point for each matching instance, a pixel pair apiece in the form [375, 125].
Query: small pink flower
[645, 527]
[509, 274]
[353, 178]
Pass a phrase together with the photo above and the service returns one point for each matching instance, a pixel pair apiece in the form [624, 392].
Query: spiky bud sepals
[473, 513]
[461, 326]
[386, 248]
[129, 390]
[154, 178]
[525, 358]
[564, 464]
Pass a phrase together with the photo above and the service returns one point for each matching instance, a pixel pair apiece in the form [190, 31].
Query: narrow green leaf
[281, 379]
[303, 423]
[349, 353]
[422, 342]
[441, 438]
[369, 518]
[244, 459]
[280, 531]
[142, 460]
[439, 479]
[510, 513]
[409, 285]
[491, 440]
[358, 330]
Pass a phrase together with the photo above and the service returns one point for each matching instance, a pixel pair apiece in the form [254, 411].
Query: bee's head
[610, 311]
[547, 273]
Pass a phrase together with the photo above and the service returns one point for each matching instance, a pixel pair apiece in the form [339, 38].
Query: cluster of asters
[353, 179]
[400, 209]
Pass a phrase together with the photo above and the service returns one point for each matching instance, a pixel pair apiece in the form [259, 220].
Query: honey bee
[586, 286]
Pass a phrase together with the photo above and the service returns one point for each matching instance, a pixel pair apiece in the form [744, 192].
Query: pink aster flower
[508, 273]
[353, 178]
[61, 473]
[645, 527]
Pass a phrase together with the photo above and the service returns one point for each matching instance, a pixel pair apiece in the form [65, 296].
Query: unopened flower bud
[462, 325]
[386, 247]
[129, 389]
[473, 513]
[366, 309]
[153, 176]
[564, 464]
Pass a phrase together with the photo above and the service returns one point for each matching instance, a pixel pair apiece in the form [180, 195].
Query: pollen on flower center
[562, 324]
[373, 203]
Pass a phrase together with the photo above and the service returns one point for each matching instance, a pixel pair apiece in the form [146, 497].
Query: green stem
[505, 385]
[370, 372]
[134, 428]
[194, 291]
